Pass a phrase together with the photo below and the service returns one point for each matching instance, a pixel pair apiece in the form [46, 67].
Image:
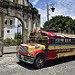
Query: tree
[61, 23]
[18, 35]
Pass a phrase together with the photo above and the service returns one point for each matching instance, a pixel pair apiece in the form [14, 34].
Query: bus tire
[39, 62]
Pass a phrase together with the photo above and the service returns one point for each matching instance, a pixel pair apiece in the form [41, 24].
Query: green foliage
[18, 35]
[13, 42]
[61, 23]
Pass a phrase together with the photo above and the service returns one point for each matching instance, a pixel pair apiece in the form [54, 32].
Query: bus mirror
[48, 39]
[47, 42]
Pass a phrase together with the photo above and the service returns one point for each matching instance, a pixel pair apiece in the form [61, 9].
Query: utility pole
[48, 11]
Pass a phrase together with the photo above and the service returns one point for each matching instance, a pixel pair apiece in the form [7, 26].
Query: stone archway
[24, 11]
[22, 24]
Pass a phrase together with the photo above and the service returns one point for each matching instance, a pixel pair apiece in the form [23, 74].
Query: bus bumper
[26, 59]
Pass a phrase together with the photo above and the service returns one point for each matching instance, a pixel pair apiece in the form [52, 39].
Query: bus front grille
[24, 49]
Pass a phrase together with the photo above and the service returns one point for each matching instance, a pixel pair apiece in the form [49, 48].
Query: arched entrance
[12, 34]
[24, 11]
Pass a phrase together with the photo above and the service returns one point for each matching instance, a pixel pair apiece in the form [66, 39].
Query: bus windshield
[39, 40]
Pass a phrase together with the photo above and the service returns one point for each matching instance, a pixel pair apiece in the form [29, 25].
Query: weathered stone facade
[9, 33]
[1, 31]
[9, 22]
[22, 10]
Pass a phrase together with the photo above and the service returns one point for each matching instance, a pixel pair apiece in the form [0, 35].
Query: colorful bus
[46, 45]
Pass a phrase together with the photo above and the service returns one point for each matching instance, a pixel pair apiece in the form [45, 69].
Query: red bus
[46, 45]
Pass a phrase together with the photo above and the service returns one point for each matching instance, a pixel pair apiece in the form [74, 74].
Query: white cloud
[73, 17]
[62, 7]
[58, 11]
[43, 15]
[35, 2]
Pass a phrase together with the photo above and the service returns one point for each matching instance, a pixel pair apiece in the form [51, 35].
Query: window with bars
[8, 31]
[6, 22]
[10, 22]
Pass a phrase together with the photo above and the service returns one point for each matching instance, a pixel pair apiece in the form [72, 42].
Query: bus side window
[52, 41]
[59, 41]
[66, 41]
[69, 41]
[62, 41]
[73, 41]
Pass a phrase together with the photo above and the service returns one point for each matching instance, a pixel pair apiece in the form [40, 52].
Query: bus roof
[57, 35]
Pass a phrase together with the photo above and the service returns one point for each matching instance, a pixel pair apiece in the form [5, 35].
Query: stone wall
[1, 32]
[28, 16]
[22, 2]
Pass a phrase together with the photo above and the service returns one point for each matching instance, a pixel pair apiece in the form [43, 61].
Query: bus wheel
[39, 62]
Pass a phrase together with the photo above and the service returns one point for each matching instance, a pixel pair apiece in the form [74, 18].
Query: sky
[62, 7]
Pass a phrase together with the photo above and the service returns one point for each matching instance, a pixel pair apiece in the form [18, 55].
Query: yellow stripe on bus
[66, 54]
[61, 47]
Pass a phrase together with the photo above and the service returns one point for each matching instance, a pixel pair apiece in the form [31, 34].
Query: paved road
[9, 65]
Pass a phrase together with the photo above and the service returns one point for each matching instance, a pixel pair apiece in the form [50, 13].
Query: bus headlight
[32, 54]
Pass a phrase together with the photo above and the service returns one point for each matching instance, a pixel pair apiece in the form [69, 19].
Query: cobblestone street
[9, 65]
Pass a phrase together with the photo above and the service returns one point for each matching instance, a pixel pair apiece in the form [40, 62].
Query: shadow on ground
[9, 53]
[26, 65]
[48, 63]
[59, 61]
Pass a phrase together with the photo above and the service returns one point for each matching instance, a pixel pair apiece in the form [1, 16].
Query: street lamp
[52, 8]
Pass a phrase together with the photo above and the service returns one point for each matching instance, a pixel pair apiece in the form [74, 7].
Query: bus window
[59, 41]
[52, 41]
[33, 40]
[69, 41]
[40, 40]
[66, 41]
[44, 41]
[73, 41]
[62, 41]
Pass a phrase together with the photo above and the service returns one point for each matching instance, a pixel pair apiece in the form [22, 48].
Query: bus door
[51, 49]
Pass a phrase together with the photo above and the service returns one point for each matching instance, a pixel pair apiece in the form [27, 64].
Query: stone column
[24, 32]
[1, 32]
[38, 22]
[30, 27]
[27, 29]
